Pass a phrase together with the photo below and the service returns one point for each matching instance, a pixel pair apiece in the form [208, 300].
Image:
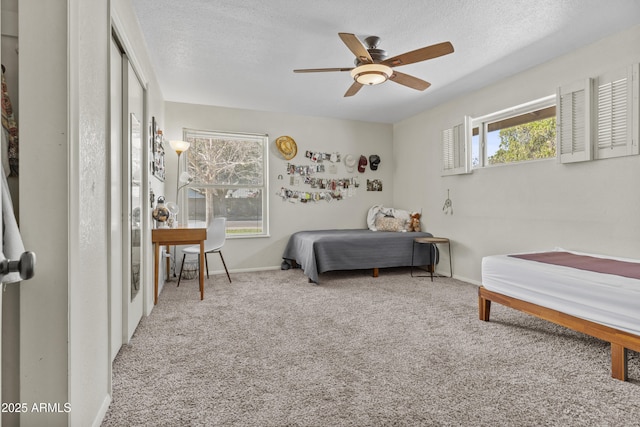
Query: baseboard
[466, 279]
[252, 270]
[244, 270]
[97, 422]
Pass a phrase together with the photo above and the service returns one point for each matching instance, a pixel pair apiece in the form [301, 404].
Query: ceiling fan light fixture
[371, 74]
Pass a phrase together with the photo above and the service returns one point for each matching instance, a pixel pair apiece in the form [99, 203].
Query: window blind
[455, 148]
[614, 111]
[573, 121]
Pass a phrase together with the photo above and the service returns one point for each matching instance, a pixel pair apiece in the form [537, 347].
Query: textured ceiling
[242, 53]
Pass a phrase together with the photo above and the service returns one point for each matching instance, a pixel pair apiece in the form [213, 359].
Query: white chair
[216, 236]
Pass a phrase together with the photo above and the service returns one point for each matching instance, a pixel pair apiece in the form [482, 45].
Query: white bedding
[606, 299]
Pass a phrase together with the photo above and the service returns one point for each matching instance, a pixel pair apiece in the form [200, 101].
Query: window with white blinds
[616, 111]
[455, 148]
[574, 121]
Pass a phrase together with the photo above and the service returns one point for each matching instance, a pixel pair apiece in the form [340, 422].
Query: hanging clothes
[9, 126]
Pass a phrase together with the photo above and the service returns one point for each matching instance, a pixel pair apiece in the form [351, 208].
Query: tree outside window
[521, 133]
[530, 141]
[228, 172]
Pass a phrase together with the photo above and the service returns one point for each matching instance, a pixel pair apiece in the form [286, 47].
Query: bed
[320, 251]
[592, 294]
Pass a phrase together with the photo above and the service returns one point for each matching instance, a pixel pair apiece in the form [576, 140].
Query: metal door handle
[25, 266]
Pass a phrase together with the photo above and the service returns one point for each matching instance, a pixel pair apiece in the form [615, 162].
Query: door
[126, 169]
[118, 333]
[133, 100]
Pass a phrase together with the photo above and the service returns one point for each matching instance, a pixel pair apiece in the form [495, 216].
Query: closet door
[134, 164]
[126, 231]
[116, 278]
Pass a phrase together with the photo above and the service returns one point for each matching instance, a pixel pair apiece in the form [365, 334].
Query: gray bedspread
[329, 250]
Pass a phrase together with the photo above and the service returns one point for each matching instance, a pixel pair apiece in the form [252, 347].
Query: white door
[118, 332]
[133, 168]
[126, 169]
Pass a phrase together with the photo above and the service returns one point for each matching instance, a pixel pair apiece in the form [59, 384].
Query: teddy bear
[414, 221]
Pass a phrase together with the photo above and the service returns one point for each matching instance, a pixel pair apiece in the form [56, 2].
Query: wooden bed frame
[294, 264]
[620, 340]
[375, 273]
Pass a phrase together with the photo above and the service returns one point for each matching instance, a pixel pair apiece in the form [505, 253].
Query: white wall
[64, 316]
[590, 207]
[310, 133]
[89, 374]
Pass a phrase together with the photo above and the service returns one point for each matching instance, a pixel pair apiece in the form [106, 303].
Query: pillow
[389, 223]
[372, 215]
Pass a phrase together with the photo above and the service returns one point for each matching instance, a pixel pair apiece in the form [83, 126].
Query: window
[229, 173]
[595, 118]
[523, 133]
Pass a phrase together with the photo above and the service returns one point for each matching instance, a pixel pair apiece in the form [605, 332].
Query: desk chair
[216, 236]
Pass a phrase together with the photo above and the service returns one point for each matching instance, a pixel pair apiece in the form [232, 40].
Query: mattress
[607, 299]
[319, 251]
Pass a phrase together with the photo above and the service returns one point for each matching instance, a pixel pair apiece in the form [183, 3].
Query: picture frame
[157, 151]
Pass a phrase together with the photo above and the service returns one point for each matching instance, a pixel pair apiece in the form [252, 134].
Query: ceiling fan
[373, 67]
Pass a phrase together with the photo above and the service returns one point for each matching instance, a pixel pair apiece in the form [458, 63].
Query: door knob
[25, 266]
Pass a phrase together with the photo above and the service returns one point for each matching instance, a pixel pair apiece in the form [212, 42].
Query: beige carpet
[270, 349]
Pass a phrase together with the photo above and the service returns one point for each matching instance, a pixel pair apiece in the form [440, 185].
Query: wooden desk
[177, 236]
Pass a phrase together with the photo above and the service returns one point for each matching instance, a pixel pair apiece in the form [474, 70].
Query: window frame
[482, 124]
[263, 139]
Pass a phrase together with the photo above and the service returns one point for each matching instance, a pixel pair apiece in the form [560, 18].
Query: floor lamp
[179, 147]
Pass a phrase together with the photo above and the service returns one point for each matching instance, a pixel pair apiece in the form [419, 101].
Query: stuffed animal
[414, 222]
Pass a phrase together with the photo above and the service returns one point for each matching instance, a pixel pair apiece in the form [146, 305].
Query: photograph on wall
[374, 185]
[157, 151]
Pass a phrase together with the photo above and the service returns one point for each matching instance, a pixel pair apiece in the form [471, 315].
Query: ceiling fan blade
[353, 89]
[421, 54]
[321, 70]
[409, 81]
[356, 47]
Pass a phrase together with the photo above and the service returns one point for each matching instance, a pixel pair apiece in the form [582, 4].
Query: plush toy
[414, 222]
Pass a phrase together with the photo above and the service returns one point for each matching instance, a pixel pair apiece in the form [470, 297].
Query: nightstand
[431, 241]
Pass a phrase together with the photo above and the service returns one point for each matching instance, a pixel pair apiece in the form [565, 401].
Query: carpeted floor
[270, 349]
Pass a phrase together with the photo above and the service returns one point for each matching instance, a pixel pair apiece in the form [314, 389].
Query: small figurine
[160, 213]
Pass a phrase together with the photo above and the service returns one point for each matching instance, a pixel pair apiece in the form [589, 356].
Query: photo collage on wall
[156, 146]
[320, 173]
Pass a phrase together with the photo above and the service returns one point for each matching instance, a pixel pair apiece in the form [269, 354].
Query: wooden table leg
[168, 262]
[202, 262]
[156, 271]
